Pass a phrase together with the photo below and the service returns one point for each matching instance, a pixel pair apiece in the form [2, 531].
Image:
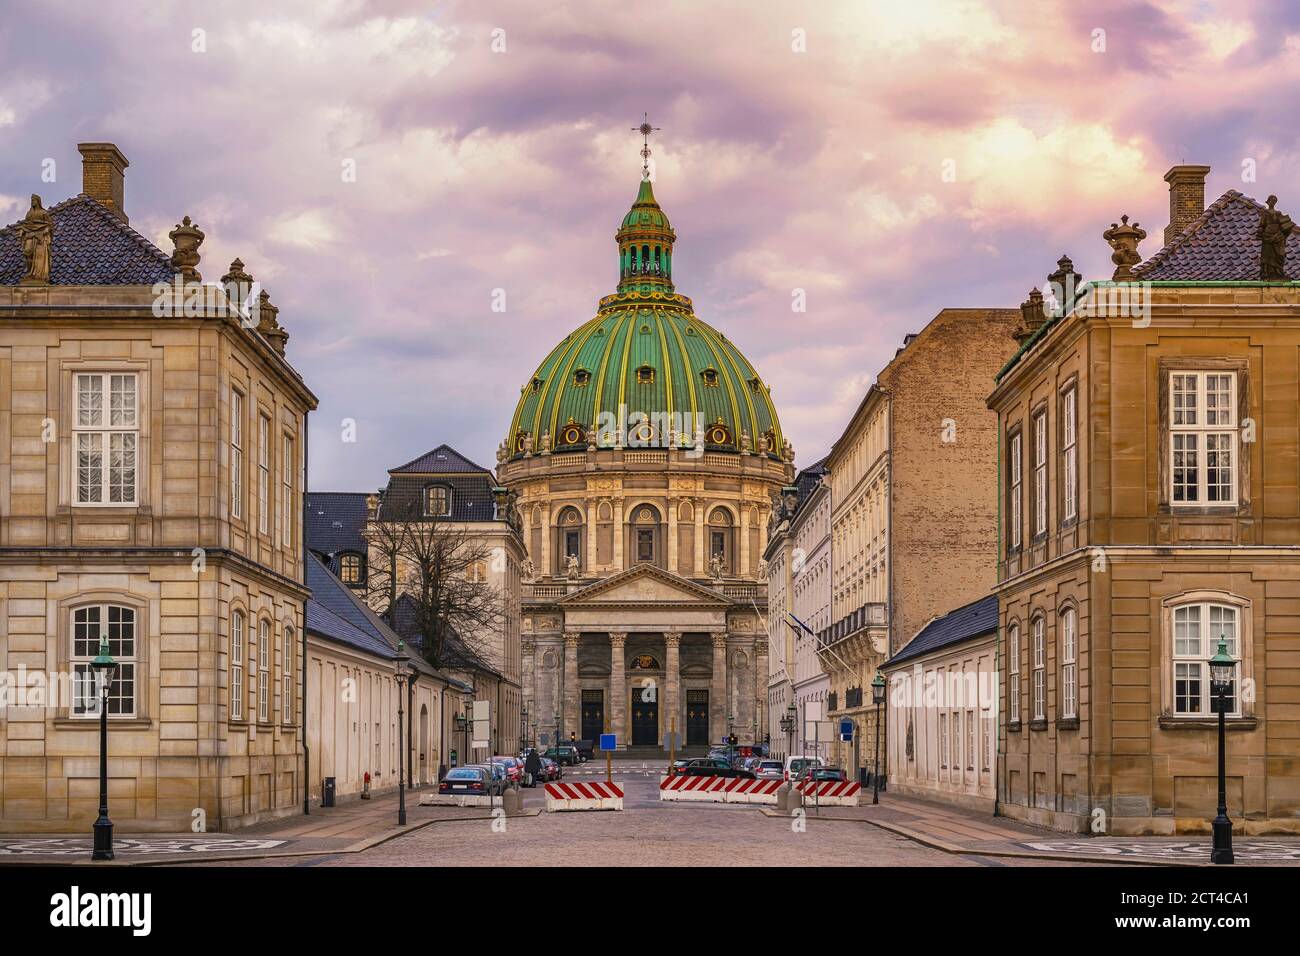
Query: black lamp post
[462, 726]
[400, 660]
[1222, 671]
[105, 667]
[877, 698]
[787, 726]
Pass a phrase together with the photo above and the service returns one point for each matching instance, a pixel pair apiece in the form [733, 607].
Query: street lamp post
[877, 698]
[462, 726]
[787, 726]
[105, 667]
[1222, 671]
[400, 660]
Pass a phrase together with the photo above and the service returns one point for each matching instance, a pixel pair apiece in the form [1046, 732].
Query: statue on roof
[1124, 240]
[1274, 229]
[36, 234]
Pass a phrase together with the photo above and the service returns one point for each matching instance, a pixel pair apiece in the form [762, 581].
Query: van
[796, 765]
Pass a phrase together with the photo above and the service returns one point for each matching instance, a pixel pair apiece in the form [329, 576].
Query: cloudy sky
[890, 159]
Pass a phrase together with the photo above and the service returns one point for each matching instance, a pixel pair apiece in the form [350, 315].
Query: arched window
[286, 677]
[570, 539]
[237, 639]
[1013, 673]
[1069, 664]
[437, 501]
[645, 527]
[1039, 668]
[645, 375]
[721, 540]
[90, 625]
[351, 568]
[264, 671]
[1198, 626]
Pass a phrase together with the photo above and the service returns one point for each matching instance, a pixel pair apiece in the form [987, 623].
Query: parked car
[795, 765]
[514, 769]
[769, 770]
[713, 767]
[678, 766]
[472, 780]
[565, 756]
[820, 774]
[551, 770]
[500, 782]
[586, 748]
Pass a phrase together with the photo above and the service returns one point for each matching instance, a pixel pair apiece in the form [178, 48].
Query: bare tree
[428, 576]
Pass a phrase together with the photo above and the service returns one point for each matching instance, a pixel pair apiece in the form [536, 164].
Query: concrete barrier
[718, 789]
[458, 800]
[584, 795]
[830, 793]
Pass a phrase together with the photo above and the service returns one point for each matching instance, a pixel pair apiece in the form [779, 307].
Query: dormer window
[536, 385]
[581, 378]
[645, 375]
[351, 568]
[437, 501]
[710, 376]
[756, 385]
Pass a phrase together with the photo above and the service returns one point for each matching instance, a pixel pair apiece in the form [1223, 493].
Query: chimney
[1186, 197]
[102, 165]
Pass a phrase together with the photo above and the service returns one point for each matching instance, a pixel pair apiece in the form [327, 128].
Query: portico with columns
[644, 652]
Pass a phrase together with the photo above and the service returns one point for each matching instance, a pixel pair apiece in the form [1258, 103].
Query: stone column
[589, 565]
[528, 649]
[617, 710]
[760, 687]
[544, 567]
[672, 696]
[701, 565]
[618, 535]
[672, 536]
[742, 532]
[718, 689]
[572, 694]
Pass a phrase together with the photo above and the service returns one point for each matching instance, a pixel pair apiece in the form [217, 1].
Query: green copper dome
[645, 370]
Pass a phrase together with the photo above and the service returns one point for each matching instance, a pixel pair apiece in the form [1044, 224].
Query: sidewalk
[350, 828]
[959, 831]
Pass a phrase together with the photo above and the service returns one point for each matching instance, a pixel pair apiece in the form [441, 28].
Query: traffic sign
[846, 729]
[608, 742]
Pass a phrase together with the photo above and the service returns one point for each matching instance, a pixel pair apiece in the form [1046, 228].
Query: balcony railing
[875, 614]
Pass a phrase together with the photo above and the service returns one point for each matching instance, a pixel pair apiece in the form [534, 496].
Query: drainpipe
[998, 757]
[302, 711]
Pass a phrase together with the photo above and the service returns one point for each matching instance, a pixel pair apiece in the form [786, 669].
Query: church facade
[644, 456]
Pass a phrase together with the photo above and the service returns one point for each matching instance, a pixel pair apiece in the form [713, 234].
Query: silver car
[769, 770]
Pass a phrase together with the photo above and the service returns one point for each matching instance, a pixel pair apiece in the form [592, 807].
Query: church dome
[645, 370]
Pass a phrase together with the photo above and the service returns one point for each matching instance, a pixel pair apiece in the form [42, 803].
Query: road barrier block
[584, 795]
[718, 789]
[458, 800]
[830, 793]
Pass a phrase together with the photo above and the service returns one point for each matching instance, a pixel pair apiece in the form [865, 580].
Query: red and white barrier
[584, 795]
[718, 789]
[831, 793]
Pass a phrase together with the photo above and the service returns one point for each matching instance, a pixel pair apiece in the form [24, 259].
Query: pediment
[646, 584]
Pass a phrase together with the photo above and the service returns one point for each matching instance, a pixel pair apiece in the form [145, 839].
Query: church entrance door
[645, 717]
[697, 718]
[593, 714]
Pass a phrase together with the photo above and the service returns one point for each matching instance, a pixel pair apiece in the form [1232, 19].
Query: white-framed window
[437, 500]
[1013, 672]
[263, 474]
[1040, 472]
[1039, 698]
[264, 671]
[943, 740]
[1197, 629]
[1015, 508]
[1069, 665]
[988, 745]
[970, 740]
[286, 678]
[89, 625]
[1203, 438]
[236, 454]
[237, 638]
[107, 438]
[286, 494]
[1069, 456]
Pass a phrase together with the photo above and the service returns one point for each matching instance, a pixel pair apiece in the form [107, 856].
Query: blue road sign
[608, 742]
[846, 729]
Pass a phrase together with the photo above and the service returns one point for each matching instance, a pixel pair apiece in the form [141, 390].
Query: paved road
[647, 833]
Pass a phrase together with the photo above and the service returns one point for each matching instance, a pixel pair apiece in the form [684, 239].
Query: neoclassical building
[645, 453]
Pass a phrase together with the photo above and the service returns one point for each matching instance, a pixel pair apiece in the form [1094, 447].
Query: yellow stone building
[152, 458]
[1151, 506]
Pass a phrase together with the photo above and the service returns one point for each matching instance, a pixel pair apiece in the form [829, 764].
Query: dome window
[710, 376]
[571, 435]
[581, 378]
[719, 434]
[536, 385]
[645, 375]
[756, 385]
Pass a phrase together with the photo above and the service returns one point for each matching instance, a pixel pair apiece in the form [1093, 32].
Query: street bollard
[512, 802]
[783, 797]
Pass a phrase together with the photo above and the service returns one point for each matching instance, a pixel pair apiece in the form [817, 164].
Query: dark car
[678, 766]
[713, 767]
[565, 756]
[469, 781]
[827, 774]
[586, 749]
